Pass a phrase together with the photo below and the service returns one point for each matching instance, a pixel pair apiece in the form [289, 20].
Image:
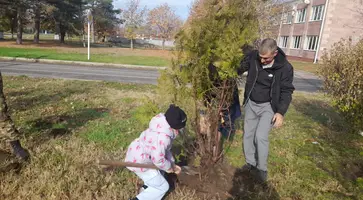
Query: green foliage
[342, 70]
[214, 37]
[360, 183]
[215, 34]
[217, 38]
[144, 113]
[178, 156]
[7, 19]
[104, 16]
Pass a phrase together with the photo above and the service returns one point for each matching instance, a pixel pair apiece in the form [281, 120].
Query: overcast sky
[181, 7]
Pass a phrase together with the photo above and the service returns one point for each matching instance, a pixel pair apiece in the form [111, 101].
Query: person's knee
[165, 187]
[261, 138]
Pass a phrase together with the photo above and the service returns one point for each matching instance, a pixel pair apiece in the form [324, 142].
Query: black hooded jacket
[281, 87]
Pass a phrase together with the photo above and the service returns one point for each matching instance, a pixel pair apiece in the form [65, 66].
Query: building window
[300, 17]
[287, 18]
[297, 42]
[283, 41]
[318, 13]
[311, 43]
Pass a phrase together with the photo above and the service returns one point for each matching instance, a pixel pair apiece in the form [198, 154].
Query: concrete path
[303, 81]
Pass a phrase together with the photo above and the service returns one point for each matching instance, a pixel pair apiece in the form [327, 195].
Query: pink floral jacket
[153, 146]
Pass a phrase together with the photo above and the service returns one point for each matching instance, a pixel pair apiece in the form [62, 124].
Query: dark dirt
[224, 182]
[8, 162]
[353, 170]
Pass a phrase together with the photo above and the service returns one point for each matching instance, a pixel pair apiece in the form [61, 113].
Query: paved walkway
[303, 81]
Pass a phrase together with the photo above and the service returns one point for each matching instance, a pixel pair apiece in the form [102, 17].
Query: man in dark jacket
[268, 93]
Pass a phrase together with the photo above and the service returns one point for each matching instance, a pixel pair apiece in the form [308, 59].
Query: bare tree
[164, 20]
[134, 18]
[358, 15]
[37, 9]
[269, 17]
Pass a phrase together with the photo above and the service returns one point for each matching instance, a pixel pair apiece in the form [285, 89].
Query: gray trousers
[257, 125]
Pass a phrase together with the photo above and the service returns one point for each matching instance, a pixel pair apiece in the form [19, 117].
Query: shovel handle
[114, 163]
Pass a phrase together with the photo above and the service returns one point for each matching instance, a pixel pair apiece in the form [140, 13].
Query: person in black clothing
[267, 96]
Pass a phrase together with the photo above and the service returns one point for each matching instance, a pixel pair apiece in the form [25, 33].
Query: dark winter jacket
[281, 87]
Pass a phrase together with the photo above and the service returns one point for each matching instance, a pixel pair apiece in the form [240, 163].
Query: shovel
[112, 163]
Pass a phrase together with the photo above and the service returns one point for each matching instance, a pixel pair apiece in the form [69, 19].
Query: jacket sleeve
[158, 155]
[169, 156]
[287, 89]
[244, 65]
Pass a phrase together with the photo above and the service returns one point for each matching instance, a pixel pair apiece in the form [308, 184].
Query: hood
[280, 59]
[159, 124]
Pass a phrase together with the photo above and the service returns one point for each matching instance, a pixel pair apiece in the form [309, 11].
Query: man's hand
[278, 120]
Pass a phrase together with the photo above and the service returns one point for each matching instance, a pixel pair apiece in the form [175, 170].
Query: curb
[34, 60]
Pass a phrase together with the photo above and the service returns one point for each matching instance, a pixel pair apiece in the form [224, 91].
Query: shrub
[203, 74]
[342, 71]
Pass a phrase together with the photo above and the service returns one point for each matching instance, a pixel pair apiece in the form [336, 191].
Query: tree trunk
[37, 24]
[57, 29]
[62, 36]
[163, 44]
[132, 43]
[84, 39]
[8, 129]
[19, 36]
[93, 32]
[12, 32]
[61, 32]
[13, 24]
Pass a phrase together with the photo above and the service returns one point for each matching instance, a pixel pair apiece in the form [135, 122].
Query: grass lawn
[48, 49]
[305, 66]
[54, 54]
[68, 125]
[27, 36]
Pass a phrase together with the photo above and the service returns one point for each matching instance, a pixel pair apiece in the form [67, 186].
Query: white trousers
[156, 184]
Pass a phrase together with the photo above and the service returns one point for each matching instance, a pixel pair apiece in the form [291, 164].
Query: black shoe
[134, 198]
[144, 187]
[261, 176]
[248, 168]
[19, 151]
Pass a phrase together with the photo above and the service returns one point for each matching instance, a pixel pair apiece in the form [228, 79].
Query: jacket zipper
[248, 96]
[273, 81]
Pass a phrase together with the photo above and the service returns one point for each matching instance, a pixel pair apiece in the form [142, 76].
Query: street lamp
[89, 21]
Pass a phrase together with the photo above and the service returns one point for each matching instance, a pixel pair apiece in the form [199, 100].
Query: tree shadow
[335, 141]
[321, 112]
[56, 126]
[18, 93]
[247, 188]
[8, 162]
[26, 101]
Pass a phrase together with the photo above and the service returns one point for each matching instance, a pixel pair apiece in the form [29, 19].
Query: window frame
[284, 40]
[308, 42]
[298, 16]
[294, 42]
[316, 14]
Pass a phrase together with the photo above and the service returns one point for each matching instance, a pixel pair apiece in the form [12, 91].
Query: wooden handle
[126, 164]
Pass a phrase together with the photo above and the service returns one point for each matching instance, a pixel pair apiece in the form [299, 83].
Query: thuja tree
[203, 76]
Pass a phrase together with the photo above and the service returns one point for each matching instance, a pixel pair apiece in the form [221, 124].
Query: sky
[181, 7]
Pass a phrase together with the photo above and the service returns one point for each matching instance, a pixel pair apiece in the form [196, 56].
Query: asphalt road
[304, 82]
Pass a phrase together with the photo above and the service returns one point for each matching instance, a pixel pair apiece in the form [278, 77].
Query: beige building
[308, 27]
